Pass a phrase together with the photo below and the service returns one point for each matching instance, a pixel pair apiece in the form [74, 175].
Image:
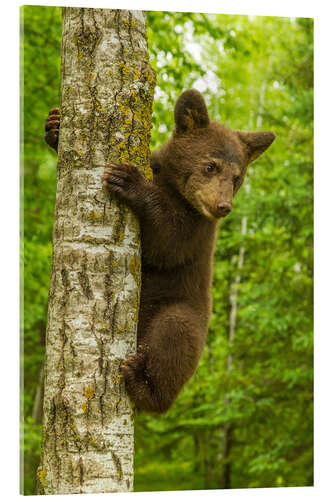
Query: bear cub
[197, 172]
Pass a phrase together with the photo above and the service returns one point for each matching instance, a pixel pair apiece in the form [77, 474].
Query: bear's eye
[211, 167]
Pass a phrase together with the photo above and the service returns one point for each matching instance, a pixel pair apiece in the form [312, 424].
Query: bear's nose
[224, 207]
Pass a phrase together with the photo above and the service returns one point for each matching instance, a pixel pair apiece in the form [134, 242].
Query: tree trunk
[228, 429]
[106, 97]
[37, 411]
[226, 466]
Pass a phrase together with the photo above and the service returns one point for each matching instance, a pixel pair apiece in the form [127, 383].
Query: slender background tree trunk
[234, 290]
[106, 97]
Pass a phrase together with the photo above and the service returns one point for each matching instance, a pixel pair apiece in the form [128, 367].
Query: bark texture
[106, 98]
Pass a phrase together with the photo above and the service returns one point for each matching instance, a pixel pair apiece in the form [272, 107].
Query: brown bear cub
[196, 175]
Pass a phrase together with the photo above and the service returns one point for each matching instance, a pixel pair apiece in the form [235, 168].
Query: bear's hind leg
[170, 354]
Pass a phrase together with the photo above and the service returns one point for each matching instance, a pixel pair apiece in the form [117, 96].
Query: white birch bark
[106, 98]
[233, 298]
[243, 231]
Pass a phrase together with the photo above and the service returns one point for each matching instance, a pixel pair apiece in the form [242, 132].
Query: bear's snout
[223, 208]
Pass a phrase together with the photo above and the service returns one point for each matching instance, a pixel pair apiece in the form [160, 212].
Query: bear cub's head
[205, 161]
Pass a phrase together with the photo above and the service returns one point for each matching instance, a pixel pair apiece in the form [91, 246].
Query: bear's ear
[190, 112]
[255, 142]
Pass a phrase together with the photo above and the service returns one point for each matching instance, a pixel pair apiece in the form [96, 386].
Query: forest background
[246, 417]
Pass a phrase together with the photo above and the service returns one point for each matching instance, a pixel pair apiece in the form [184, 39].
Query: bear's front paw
[130, 366]
[52, 128]
[125, 181]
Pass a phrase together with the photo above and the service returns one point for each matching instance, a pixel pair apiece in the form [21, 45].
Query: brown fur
[196, 175]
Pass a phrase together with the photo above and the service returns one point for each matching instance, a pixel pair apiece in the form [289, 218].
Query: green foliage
[256, 73]
[40, 62]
